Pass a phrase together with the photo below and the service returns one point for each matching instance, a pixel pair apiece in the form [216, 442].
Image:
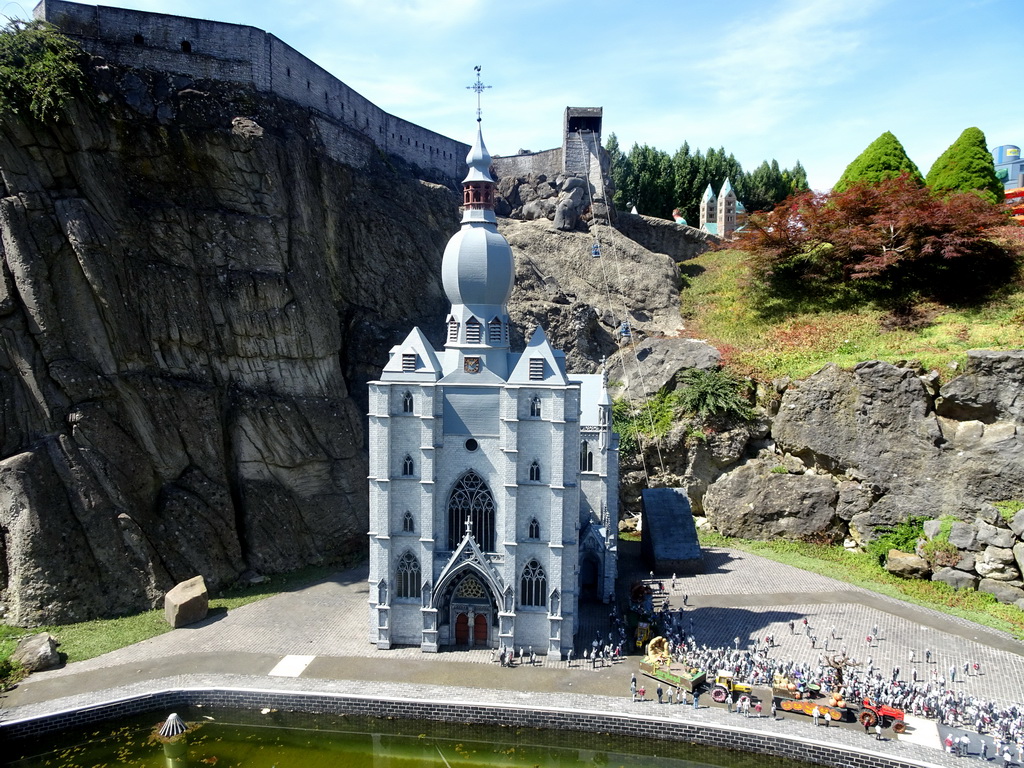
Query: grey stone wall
[241, 54]
[548, 163]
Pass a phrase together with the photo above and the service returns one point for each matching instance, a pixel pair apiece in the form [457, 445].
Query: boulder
[37, 652]
[955, 578]
[964, 536]
[906, 565]
[997, 563]
[967, 561]
[652, 365]
[989, 535]
[753, 502]
[854, 499]
[1018, 555]
[1017, 524]
[187, 603]
[932, 528]
[1004, 593]
[877, 425]
[988, 390]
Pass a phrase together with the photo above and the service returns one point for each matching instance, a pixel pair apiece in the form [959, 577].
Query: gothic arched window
[533, 586]
[535, 472]
[471, 498]
[535, 409]
[534, 529]
[407, 577]
[407, 402]
[586, 458]
[408, 524]
[473, 331]
[407, 466]
[453, 330]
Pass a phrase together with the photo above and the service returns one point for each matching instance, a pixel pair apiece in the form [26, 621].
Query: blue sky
[814, 80]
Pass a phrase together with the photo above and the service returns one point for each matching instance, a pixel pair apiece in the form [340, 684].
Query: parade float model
[659, 665]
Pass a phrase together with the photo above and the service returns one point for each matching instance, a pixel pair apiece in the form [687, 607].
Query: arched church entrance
[471, 613]
[590, 575]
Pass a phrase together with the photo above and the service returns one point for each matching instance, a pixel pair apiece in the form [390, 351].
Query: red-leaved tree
[893, 242]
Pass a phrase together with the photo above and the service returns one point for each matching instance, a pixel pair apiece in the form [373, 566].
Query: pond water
[229, 738]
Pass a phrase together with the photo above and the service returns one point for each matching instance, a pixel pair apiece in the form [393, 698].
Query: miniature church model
[493, 473]
[718, 214]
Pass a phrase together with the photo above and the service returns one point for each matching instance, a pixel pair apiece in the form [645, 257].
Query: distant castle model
[351, 127]
[721, 215]
[581, 154]
[493, 473]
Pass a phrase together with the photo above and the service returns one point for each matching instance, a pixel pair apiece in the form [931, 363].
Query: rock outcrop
[582, 301]
[192, 299]
[753, 502]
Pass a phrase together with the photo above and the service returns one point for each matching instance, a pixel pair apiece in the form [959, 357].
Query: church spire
[477, 270]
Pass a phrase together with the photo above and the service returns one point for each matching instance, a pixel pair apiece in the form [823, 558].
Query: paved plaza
[316, 638]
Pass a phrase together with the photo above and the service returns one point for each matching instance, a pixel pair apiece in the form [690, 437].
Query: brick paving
[741, 595]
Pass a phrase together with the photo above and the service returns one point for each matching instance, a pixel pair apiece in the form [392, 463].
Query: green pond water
[229, 738]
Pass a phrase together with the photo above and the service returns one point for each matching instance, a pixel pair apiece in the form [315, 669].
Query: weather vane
[479, 87]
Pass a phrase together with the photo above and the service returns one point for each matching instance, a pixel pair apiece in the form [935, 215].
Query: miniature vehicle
[643, 634]
[872, 713]
[687, 678]
[726, 684]
[784, 688]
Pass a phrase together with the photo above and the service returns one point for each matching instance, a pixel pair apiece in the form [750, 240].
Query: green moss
[1008, 509]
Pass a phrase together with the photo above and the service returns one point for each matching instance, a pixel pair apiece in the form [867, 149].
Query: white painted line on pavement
[291, 666]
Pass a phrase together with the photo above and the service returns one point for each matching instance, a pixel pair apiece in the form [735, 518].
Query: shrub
[11, 673]
[903, 537]
[894, 243]
[941, 553]
[713, 394]
[40, 69]
[778, 469]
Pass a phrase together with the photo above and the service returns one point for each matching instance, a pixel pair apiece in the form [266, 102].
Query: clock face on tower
[471, 365]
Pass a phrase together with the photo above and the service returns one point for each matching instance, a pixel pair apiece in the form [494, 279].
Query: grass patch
[719, 305]
[1008, 509]
[862, 569]
[88, 639]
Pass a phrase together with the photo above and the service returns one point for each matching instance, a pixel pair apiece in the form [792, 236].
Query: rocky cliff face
[192, 299]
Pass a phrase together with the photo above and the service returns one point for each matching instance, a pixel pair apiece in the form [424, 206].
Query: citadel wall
[235, 53]
[548, 162]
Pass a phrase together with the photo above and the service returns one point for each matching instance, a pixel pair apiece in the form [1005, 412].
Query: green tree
[797, 179]
[40, 69]
[619, 165]
[966, 166]
[883, 159]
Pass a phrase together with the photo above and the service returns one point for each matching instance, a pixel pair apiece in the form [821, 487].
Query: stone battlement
[235, 53]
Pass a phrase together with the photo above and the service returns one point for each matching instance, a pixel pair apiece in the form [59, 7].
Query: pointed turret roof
[709, 194]
[479, 160]
[726, 189]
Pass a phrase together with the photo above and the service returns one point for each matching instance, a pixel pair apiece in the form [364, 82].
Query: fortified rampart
[246, 55]
[547, 163]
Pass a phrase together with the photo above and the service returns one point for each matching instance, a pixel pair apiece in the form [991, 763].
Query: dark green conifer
[884, 158]
[966, 166]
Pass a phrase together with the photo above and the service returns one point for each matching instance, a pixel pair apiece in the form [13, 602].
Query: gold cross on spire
[479, 87]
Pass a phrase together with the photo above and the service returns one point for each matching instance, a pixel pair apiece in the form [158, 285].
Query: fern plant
[713, 394]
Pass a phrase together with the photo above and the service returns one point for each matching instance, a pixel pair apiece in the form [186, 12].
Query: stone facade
[233, 53]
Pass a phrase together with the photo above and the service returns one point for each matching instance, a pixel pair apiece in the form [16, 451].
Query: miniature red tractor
[871, 714]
